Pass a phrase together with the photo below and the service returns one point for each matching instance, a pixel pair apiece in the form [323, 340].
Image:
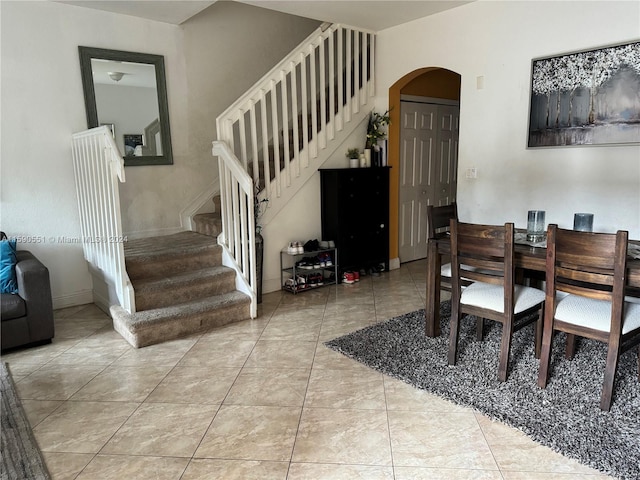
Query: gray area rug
[565, 416]
[21, 457]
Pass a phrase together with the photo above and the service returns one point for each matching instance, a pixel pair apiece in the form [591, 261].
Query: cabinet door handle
[382, 225]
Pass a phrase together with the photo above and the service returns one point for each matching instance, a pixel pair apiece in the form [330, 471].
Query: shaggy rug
[21, 457]
[565, 416]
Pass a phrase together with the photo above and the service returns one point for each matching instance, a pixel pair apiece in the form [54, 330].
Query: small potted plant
[353, 154]
[375, 133]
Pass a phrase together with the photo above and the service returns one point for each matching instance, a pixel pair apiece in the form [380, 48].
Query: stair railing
[238, 235]
[98, 166]
[269, 138]
[282, 122]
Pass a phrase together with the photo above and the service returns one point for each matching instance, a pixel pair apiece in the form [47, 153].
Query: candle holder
[583, 222]
[536, 226]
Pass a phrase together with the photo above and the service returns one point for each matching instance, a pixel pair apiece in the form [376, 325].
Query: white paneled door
[428, 169]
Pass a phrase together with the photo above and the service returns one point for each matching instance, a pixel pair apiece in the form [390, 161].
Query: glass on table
[583, 222]
[536, 226]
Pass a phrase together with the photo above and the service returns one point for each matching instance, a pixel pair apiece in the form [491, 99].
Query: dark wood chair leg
[545, 354]
[453, 336]
[538, 334]
[480, 329]
[570, 348]
[609, 375]
[505, 348]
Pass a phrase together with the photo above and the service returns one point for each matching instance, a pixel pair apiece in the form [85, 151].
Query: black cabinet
[355, 215]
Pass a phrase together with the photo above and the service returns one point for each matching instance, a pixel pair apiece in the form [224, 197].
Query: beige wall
[497, 40]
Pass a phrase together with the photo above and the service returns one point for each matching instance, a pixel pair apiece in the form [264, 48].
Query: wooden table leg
[432, 309]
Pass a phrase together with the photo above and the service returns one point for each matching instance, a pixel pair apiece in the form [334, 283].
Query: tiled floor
[262, 399]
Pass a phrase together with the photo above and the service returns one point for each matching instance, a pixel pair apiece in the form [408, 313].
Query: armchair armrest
[35, 288]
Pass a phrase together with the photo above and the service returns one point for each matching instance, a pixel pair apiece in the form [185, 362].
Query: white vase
[363, 161]
[367, 157]
[354, 162]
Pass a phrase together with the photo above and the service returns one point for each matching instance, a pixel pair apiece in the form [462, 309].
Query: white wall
[498, 40]
[43, 104]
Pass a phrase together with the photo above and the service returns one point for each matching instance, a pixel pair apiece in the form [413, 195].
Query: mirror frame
[89, 53]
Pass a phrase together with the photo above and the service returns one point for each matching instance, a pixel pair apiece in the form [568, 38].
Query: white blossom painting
[586, 98]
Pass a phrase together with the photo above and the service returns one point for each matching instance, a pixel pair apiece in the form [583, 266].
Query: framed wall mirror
[128, 91]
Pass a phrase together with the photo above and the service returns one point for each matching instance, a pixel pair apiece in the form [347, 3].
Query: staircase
[273, 139]
[180, 288]
[270, 143]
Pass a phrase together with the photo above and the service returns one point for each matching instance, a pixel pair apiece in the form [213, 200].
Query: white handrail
[238, 235]
[98, 166]
[278, 128]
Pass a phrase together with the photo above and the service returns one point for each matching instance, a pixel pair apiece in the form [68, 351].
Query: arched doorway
[423, 145]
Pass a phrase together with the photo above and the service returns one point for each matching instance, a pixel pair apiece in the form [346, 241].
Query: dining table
[527, 255]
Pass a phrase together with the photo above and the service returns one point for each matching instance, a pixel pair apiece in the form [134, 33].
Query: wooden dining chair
[484, 254]
[585, 274]
[438, 222]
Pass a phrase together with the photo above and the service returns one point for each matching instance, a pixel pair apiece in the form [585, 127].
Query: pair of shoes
[348, 277]
[315, 280]
[325, 244]
[295, 248]
[312, 246]
[308, 263]
[325, 259]
[301, 282]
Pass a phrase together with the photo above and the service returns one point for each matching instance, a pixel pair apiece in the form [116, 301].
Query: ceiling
[371, 14]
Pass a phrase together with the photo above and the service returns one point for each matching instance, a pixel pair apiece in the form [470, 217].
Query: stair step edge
[150, 284]
[147, 317]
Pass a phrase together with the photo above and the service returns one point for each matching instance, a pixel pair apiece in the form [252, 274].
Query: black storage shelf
[355, 214]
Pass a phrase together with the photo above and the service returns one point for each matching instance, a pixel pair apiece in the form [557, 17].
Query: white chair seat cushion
[486, 295]
[445, 270]
[596, 314]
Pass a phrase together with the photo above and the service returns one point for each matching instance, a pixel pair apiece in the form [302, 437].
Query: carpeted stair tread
[159, 325]
[158, 315]
[181, 242]
[159, 257]
[190, 277]
[158, 292]
[208, 223]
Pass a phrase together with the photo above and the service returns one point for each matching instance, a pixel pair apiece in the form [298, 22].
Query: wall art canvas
[586, 98]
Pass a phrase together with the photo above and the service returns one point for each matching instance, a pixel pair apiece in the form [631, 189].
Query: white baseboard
[272, 285]
[394, 263]
[79, 298]
[102, 303]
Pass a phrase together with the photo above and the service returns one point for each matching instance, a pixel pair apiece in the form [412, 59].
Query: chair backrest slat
[589, 264]
[483, 253]
[438, 218]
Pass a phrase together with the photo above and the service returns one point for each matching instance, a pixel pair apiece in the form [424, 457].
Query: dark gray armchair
[27, 317]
